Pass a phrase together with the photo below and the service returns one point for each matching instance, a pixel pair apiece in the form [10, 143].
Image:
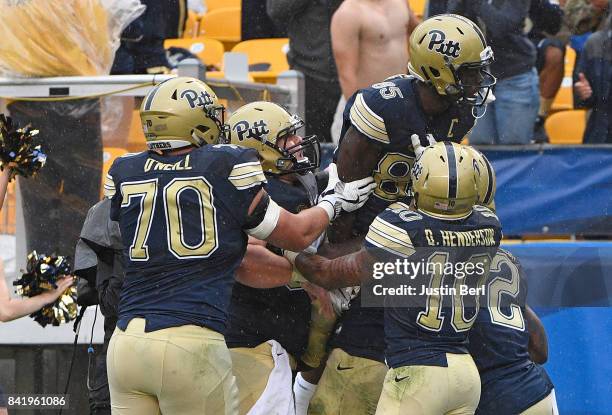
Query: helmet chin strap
[200, 141]
[476, 113]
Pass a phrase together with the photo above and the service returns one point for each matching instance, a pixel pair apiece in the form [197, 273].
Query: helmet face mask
[301, 157]
[217, 114]
[473, 81]
[271, 130]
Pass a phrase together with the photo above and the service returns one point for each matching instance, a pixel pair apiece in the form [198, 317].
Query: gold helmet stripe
[480, 35]
[471, 23]
[452, 170]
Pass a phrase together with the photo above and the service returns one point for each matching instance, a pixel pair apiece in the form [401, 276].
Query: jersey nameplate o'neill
[152, 164]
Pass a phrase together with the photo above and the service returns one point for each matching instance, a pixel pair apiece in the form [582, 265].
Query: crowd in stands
[338, 46]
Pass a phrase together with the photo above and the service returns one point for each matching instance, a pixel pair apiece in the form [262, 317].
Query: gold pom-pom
[18, 149]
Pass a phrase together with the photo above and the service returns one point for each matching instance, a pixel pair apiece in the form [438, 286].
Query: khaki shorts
[179, 370]
[349, 385]
[432, 390]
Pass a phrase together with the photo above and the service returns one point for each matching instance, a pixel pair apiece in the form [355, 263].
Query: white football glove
[339, 196]
[418, 147]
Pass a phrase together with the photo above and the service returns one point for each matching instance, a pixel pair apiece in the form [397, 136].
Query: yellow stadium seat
[109, 155]
[418, 6]
[136, 139]
[222, 24]
[566, 127]
[191, 25]
[220, 4]
[265, 51]
[210, 51]
[564, 100]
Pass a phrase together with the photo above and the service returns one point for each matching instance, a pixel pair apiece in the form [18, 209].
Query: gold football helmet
[262, 125]
[181, 112]
[444, 182]
[485, 178]
[450, 52]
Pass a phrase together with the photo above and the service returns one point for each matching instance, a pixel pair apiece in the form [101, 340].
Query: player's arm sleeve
[109, 186]
[366, 115]
[247, 177]
[385, 241]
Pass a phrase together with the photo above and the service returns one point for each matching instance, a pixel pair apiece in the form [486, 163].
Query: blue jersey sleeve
[387, 235]
[365, 113]
[245, 174]
[384, 112]
[112, 190]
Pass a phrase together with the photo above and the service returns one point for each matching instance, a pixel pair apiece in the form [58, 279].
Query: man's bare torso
[383, 47]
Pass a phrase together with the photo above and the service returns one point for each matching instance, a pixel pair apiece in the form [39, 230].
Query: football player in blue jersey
[508, 341]
[426, 335]
[508, 344]
[185, 209]
[384, 125]
[447, 88]
[269, 327]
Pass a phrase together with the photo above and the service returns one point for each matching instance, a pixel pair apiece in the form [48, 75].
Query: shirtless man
[370, 43]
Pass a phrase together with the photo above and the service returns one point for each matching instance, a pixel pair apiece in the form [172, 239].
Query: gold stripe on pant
[184, 370]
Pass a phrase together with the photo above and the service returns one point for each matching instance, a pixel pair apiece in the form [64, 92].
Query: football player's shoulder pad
[390, 230]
